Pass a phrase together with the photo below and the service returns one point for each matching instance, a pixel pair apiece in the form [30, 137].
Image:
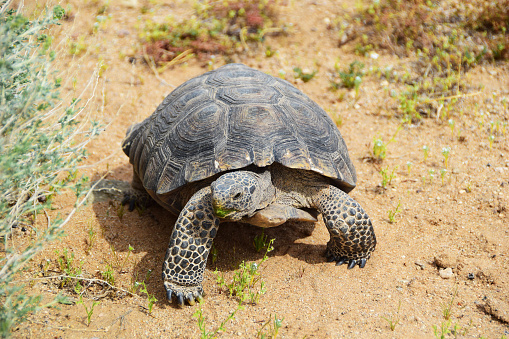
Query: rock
[497, 308]
[446, 260]
[446, 273]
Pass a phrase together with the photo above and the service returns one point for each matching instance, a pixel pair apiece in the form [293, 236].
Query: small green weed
[443, 173]
[204, 334]
[409, 165]
[392, 214]
[447, 308]
[351, 78]
[425, 151]
[151, 299]
[379, 149]
[386, 177]
[89, 311]
[117, 262]
[274, 324]
[261, 241]
[304, 75]
[245, 279]
[446, 151]
[491, 139]
[393, 320]
[91, 239]
[108, 275]
[67, 266]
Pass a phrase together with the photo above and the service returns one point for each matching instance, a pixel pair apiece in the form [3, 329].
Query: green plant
[204, 334]
[393, 320]
[91, 239]
[446, 151]
[66, 265]
[491, 138]
[108, 275]
[379, 149]
[409, 165]
[392, 214]
[431, 174]
[273, 328]
[386, 177]
[89, 311]
[151, 299]
[245, 280]
[304, 75]
[351, 78]
[117, 262]
[42, 143]
[447, 308]
[451, 126]
[425, 150]
[261, 241]
[443, 172]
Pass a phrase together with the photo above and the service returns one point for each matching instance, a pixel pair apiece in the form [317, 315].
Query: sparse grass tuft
[393, 320]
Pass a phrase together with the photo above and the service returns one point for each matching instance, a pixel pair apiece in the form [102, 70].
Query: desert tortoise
[236, 144]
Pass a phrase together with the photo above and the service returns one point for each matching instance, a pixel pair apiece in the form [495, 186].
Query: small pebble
[420, 264]
[446, 273]
[471, 276]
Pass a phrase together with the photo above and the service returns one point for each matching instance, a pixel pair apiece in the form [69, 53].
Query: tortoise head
[236, 195]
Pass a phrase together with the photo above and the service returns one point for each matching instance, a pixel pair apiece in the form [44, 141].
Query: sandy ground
[458, 224]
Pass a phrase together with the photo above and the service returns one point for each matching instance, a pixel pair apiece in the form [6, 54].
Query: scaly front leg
[189, 248]
[352, 238]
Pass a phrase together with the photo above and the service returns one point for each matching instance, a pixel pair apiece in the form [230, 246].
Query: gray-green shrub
[41, 144]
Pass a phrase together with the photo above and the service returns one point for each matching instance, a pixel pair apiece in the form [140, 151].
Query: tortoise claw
[183, 294]
[341, 261]
[190, 299]
[362, 263]
[352, 264]
[180, 299]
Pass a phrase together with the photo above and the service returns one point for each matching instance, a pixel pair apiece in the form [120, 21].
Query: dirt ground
[458, 224]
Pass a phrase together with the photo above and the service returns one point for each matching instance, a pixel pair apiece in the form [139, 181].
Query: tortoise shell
[231, 118]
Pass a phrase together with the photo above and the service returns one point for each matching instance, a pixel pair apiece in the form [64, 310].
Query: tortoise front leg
[352, 238]
[189, 248]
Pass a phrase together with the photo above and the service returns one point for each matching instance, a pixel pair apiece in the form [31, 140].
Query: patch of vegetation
[270, 328]
[392, 214]
[204, 333]
[350, 78]
[88, 310]
[245, 281]
[261, 241]
[447, 37]
[304, 75]
[216, 27]
[41, 144]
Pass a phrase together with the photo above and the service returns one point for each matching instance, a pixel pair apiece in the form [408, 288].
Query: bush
[216, 27]
[41, 144]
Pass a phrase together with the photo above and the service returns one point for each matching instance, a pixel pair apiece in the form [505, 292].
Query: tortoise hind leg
[352, 238]
[189, 248]
[136, 195]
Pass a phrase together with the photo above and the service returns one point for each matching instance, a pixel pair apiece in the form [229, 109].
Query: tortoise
[236, 144]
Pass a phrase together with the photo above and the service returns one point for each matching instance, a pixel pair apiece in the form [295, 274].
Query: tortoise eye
[238, 195]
